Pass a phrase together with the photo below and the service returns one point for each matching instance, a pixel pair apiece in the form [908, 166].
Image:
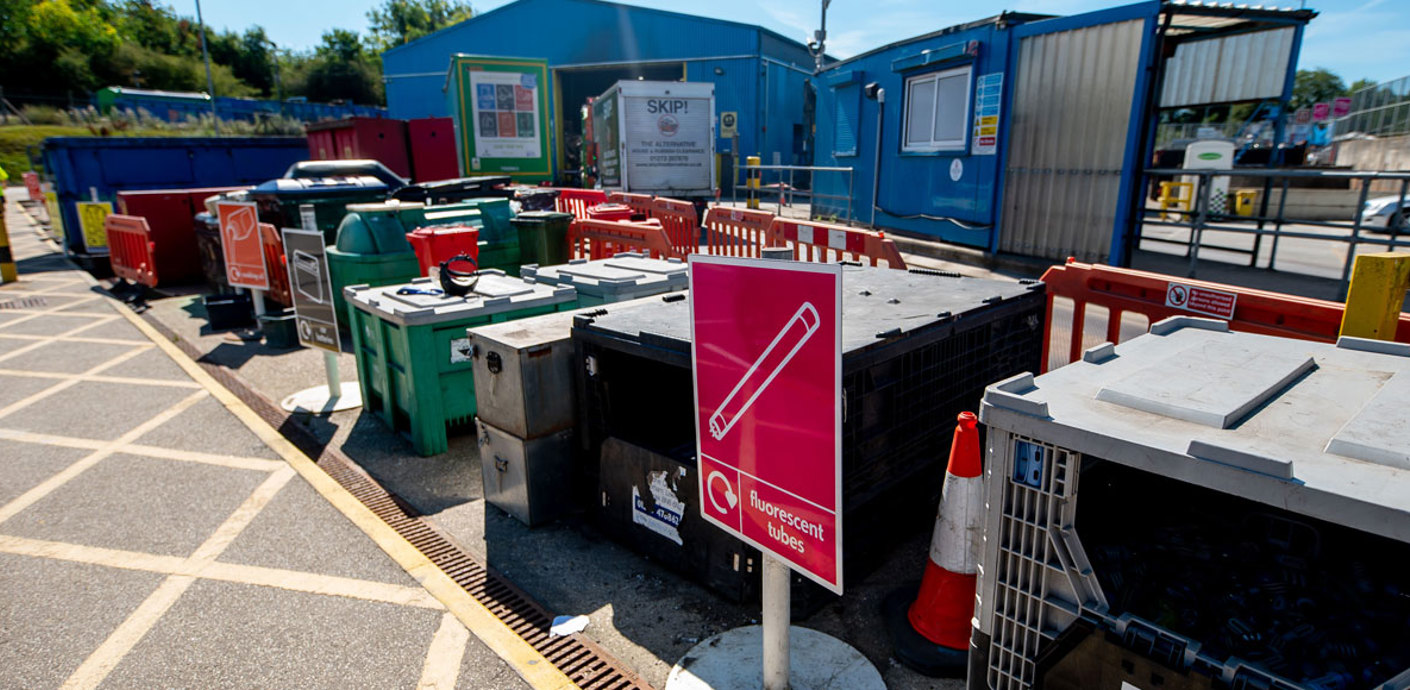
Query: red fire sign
[767, 350]
[243, 247]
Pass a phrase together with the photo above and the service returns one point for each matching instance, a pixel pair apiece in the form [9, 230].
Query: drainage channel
[581, 660]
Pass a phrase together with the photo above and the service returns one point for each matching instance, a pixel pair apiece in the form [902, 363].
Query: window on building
[937, 111]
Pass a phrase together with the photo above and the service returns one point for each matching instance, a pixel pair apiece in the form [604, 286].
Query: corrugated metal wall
[1071, 106]
[1234, 68]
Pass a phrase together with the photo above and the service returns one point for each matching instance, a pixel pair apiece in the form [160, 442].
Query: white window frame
[930, 145]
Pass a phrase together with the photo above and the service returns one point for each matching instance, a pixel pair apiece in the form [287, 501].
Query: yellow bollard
[753, 180]
[1376, 295]
[8, 272]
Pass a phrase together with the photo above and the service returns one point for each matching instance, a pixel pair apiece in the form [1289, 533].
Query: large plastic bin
[379, 139]
[279, 200]
[80, 166]
[1230, 508]
[918, 348]
[543, 237]
[308, 170]
[625, 276]
[431, 141]
[208, 244]
[437, 244]
[499, 241]
[413, 359]
[171, 224]
[371, 249]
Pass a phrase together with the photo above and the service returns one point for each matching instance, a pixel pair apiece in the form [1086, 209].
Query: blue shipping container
[82, 167]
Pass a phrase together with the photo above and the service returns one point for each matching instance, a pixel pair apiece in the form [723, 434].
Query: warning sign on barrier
[1201, 300]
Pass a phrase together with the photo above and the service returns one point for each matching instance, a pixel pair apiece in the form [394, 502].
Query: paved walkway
[151, 538]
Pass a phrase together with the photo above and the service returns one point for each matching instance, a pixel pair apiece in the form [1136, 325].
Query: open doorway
[576, 85]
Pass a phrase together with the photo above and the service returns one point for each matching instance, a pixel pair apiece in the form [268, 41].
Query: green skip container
[413, 358]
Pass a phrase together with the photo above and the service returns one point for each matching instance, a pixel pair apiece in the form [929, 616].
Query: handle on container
[459, 283]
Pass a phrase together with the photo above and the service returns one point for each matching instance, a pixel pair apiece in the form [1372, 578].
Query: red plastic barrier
[130, 249]
[33, 186]
[598, 239]
[825, 242]
[681, 222]
[736, 231]
[640, 204]
[578, 201]
[437, 244]
[1123, 290]
[276, 264]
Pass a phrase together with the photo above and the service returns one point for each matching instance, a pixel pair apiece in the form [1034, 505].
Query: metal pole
[210, 82]
[1201, 215]
[1278, 227]
[335, 382]
[1394, 229]
[1355, 238]
[776, 614]
[849, 196]
[876, 170]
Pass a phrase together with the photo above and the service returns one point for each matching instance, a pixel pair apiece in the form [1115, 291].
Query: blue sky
[1355, 38]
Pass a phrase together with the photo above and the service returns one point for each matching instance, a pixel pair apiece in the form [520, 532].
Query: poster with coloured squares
[505, 115]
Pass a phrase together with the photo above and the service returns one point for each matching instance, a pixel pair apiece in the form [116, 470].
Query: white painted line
[443, 657]
[108, 655]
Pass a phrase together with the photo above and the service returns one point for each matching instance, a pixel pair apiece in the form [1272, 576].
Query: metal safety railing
[794, 188]
[1209, 206]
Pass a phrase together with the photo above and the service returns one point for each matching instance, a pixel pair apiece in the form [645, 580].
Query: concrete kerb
[536, 670]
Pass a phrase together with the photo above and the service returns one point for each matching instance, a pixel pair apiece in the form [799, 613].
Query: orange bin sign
[241, 242]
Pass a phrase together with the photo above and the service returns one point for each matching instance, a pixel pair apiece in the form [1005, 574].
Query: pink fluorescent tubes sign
[775, 357]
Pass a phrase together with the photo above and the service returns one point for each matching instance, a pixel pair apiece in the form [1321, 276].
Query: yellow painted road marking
[520, 655]
[125, 380]
[74, 339]
[260, 576]
[46, 487]
[442, 668]
[104, 659]
[243, 516]
[231, 461]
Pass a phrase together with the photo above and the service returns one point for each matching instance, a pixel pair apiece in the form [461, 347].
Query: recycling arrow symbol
[730, 496]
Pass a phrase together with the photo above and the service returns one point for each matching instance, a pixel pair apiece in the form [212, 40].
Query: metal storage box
[1244, 521]
[919, 347]
[413, 359]
[625, 276]
[529, 479]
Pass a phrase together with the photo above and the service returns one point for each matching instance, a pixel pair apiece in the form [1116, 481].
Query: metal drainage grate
[26, 303]
[584, 663]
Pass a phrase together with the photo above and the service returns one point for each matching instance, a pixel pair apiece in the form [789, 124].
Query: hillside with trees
[57, 52]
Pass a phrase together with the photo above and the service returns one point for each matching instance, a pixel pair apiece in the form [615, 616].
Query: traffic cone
[931, 634]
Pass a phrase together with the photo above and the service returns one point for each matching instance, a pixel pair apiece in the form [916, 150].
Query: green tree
[1359, 84]
[343, 69]
[1315, 86]
[400, 21]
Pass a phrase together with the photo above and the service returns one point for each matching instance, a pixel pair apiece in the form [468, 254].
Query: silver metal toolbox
[529, 479]
[524, 374]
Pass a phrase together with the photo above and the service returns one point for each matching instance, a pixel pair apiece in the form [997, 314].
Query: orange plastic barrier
[824, 242]
[599, 239]
[131, 249]
[276, 264]
[681, 222]
[641, 204]
[578, 201]
[1123, 290]
[736, 231]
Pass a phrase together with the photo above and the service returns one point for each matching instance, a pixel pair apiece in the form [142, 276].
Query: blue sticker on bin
[1028, 461]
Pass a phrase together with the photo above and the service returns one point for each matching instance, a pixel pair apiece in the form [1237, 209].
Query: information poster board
[311, 287]
[242, 246]
[92, 216]
[502, 116]
[766, 344]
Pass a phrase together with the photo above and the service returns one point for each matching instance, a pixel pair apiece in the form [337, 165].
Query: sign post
[766, 344]
[311, 287]
[243, 247]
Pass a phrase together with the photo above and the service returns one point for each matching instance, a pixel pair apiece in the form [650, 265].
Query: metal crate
[1242, 522]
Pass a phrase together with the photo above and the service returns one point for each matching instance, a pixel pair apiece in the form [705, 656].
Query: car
[1387, 214]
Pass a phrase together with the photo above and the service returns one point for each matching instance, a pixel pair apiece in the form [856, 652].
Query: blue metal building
[1029, 134]
[591, 44]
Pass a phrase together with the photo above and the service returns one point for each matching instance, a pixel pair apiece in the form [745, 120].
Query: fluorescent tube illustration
[775, 357]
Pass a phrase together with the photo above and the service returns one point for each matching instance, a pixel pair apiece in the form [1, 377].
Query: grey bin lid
[1316, 428]
[624, 275]
[494, 293]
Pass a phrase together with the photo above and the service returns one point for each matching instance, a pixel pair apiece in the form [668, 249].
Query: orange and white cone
[935, 637]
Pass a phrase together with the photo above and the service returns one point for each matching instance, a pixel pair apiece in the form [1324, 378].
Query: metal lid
[494, 293]
[627, 272]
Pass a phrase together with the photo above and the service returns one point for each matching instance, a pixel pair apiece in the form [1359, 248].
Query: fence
[1203, 214]
[1380, 110]
[787, 184]
[1116, 294]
